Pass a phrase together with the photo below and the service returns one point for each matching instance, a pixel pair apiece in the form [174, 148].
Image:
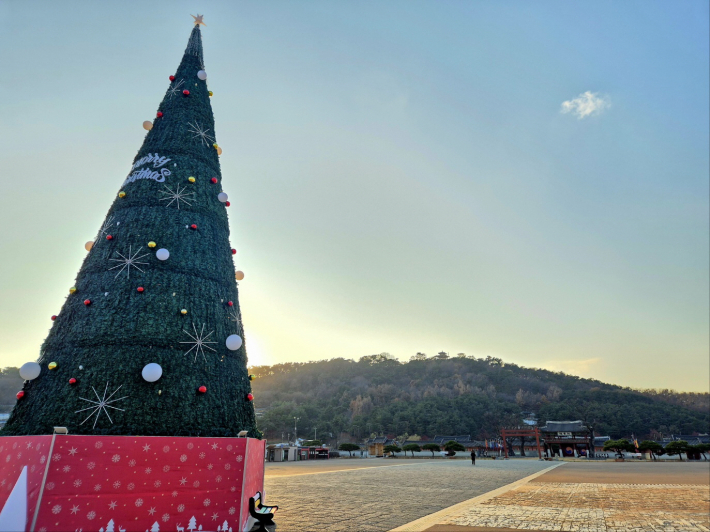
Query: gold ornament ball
[183, 311]
[89, 245]
[219, 150]
[122, 194]
[151, 244]
[210, 93]
[52, 365]
[191, 179]
[72, 290]
[239, 275]
[215, 146]
[147, 125]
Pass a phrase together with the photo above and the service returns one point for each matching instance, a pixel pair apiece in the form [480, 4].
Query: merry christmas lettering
[158, 175]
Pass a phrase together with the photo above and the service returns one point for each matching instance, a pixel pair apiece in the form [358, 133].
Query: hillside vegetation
[460, 395]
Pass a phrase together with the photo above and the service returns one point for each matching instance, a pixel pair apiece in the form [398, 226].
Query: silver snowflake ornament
[125, 262]
[198, 132]
[175, 88]
[199, 342]
[101, 405]
[176, 196]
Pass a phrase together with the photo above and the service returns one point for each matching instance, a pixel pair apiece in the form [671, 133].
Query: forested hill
[460, 395]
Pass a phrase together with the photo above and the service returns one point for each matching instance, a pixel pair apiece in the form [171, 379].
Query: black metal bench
[264, 515]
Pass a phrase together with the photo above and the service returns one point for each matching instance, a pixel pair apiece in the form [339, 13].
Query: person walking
[473, 457]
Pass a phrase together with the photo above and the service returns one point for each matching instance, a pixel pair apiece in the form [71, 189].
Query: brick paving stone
[382, 498]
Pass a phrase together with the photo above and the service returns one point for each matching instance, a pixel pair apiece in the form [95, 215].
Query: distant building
[565, 438]
[376, 446]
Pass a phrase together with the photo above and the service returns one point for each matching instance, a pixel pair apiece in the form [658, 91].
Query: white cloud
[586, 104]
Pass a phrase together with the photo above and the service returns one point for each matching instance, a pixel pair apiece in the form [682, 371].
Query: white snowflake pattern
[234, 316]
[49, 485]
[9, 457]
[73, 451]
[41, 460]
[66, 468]
[139, 502]
[99, 444]
[233, 489]
[165, 518]
[77, 483]
[74, 509]
[175, 88]
[206, 502]
[203, 134]
[157, 483]
[174, 494]
[131, 486]
[56, 508]
[232, 510]
[117, 484]
[229, 447]
[183, 481]
[228, 466]
[166, 449]
[101, 405]
[132, 463]
[214, 446]
[215, 516]
[115, 458]
[56, 457]
[240, 458]
[28, 445]
[196, 484]
[128, 261]
[91, 515]
[148, 470]
[202, 455]
[97, 487]
[32, 469]
[3, 481]
[181, 508]
[183, 458]
[146, 447]
[190, 446]
[166, 468]
[199, 342]
[176, 196]
[112, 505]
[210, 466]
[218, 478]
[19, 455]
[152, 510]
[14, 445]
[91, 465]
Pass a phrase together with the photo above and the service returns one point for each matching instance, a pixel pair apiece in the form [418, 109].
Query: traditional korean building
[565, 438]
[376, 446]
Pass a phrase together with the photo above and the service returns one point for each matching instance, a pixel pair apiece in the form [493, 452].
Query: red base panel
[133, 483]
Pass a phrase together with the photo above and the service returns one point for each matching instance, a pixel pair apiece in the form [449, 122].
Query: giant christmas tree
[156, 289]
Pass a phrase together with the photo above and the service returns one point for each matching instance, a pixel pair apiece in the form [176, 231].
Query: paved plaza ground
[494, 496]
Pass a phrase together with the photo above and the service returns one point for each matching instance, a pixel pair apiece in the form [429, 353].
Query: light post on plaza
[295, 430]
[315, 433]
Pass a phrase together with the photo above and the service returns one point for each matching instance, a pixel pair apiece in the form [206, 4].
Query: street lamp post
[295, 430]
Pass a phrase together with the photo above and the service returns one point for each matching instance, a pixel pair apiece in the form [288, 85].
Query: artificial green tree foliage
[104, 345]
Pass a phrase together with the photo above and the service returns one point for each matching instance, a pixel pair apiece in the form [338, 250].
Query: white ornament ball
[234, 342]
[147, 125]
[152, 372]
[202, 75]
[30, 371]
[239, 275]
[162, 254]
[222, 196]
[89, 245]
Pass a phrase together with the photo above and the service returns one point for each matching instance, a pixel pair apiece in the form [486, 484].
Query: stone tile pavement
[381, 498]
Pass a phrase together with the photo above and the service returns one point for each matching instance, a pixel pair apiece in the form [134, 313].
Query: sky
[524, 180]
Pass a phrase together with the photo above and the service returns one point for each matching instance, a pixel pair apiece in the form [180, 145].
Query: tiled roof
[564, 426]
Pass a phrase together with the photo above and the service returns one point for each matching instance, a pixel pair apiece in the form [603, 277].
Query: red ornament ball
[54, 317]
[214, 180]
[186, 92]
[202, 389]
[227, 204]
[234, 251]
[109, 237]
[159, 114]
[140, 289]
[230, 304]
[250, 397]
[172, 78]
[193, 226]
[87, 302]
[20, 394]
[72, 381]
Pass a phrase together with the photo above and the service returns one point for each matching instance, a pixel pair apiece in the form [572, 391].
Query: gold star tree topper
[198, 20]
